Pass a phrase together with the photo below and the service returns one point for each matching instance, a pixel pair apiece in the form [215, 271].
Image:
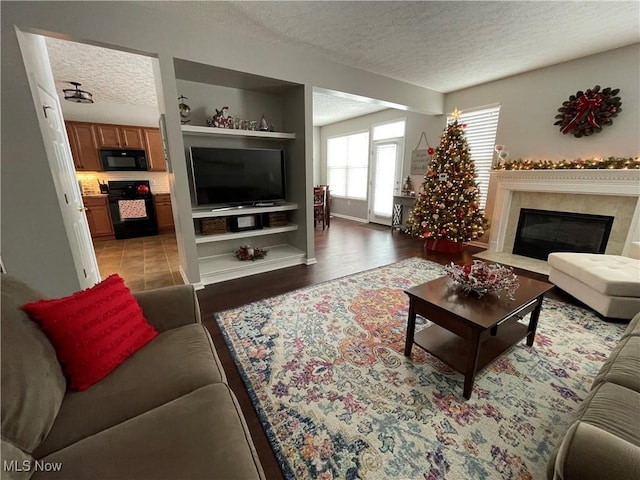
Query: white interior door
[385, 178]
[67, 188]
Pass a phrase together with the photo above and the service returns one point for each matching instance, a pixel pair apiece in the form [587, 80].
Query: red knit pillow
[94, 330]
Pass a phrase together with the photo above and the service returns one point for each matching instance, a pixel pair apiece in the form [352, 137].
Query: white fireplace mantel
[583, 182]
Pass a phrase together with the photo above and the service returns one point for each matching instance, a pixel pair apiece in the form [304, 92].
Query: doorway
[387, 153]
[124, 92]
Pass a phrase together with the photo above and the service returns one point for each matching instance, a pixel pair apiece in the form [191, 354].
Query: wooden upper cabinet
[119, 136]
[155, 152]
[84, 146]
[132, 137]
[108, 136]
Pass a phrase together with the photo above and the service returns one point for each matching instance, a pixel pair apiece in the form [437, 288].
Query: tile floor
[144, 262]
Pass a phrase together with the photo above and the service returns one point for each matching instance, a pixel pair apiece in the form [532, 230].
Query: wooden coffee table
[469, 332]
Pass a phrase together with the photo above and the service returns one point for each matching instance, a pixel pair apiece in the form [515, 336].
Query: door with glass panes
[386, 170]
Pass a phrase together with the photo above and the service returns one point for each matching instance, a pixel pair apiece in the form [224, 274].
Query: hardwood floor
[345, 248]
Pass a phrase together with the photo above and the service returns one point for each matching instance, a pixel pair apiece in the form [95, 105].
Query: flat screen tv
[237, 176]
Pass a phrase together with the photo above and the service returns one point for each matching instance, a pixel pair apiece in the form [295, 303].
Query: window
[348, 165]
[388, 130]
[481, 137]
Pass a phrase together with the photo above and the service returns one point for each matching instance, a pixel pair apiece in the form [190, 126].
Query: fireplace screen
[541, 232]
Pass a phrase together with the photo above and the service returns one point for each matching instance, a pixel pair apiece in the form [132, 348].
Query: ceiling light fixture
[76, 95]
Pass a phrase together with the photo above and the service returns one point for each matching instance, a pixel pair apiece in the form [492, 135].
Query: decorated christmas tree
[447, 212]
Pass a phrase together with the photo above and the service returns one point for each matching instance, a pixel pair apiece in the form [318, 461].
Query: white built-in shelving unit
[228, 132]
[283, 104]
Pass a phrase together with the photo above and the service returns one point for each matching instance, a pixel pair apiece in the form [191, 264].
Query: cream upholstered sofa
[604, 441]
[165, 413]
[609, 284]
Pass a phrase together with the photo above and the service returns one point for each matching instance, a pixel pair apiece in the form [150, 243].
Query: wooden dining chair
[320, 206]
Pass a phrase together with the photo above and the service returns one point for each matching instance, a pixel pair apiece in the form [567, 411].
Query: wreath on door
[585, 113]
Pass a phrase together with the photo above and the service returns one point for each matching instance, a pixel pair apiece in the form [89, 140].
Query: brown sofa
[165, 413]
[604, 441]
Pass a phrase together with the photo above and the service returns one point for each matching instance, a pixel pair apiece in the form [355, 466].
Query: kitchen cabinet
[84, 146]
[164, 213]
[155, 151]
[98, 217]
[119, 136]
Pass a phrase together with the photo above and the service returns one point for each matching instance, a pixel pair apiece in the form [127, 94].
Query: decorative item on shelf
[481, 278]
[247, 252]
[585, 113]
[185, 110]
[407, 186]
[76, 95]
[253, 125]
[501, 154]
[611, 163]
[221, 119]
[263, 126]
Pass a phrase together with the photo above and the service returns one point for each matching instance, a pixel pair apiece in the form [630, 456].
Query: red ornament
[430, 150]
[464, 125]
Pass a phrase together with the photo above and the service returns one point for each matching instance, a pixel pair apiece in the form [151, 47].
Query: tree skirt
[325, 369]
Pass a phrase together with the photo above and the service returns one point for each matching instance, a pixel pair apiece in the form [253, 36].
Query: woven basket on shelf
[211, 226]
[278, 219]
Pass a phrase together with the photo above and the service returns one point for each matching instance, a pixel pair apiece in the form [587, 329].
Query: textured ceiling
[328, 108]
[110, 75]
[442, 45]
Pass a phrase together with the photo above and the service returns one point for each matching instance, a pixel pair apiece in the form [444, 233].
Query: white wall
[415, 124]
[133, 27]
[110, 113]
[531, 100]
[35, 247]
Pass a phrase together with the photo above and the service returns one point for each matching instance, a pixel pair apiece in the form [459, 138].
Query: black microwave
[123, 160]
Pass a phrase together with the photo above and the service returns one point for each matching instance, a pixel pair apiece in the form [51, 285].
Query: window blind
[348, 165]
[480, 133]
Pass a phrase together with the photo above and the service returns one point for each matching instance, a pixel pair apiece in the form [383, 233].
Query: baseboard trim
[311, 261]
[196, 285]
[477, 243]
[347, 217]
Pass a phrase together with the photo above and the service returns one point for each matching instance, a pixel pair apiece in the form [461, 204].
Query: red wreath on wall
[587, 112]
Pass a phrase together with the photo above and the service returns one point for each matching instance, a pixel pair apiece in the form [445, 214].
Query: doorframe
[397, 181]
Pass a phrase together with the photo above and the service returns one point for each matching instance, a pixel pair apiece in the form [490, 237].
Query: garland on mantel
[611, 163]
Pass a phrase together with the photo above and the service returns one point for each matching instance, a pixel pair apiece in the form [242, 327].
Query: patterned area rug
[325, 368]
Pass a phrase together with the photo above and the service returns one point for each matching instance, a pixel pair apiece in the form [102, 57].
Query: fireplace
[596, 192]
[541, 232]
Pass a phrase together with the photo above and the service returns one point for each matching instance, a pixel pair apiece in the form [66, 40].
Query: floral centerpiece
[481, 278]
[246, 252]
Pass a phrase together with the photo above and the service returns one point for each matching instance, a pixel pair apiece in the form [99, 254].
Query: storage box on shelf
[277, 219]
[211, 226]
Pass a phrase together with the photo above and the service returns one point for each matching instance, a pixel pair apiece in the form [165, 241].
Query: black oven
[131, 207]
[123, 160]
